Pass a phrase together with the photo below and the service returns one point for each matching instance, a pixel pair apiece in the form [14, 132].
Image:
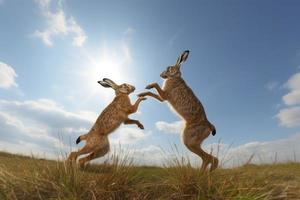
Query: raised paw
[142, 94]
[141, 126]
[142, 98]
[148, 87]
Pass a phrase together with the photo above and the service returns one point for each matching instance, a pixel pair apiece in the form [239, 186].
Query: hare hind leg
[84, 150]
[99, 150]
[87, 148]
[193, 137]
[95, 154]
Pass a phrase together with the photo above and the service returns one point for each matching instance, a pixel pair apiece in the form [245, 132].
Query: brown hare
[187, 105]
[116, 113]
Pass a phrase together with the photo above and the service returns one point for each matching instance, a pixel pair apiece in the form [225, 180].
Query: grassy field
[29, 178]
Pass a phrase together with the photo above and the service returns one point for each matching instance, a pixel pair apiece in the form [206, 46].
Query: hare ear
[182, 58]
[104, 84]
[110, 82]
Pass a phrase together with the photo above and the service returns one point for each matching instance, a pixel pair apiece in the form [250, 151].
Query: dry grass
[29, 178]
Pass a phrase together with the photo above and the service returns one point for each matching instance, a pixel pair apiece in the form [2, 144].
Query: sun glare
[104, 65]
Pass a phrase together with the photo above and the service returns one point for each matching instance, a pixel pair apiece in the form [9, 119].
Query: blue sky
[244, 66]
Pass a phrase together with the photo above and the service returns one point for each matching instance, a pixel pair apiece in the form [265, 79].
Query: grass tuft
[30, 178]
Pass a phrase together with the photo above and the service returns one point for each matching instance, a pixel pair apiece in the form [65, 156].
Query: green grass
[30, 178]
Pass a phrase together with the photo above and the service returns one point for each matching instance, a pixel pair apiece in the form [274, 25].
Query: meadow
[23, 177]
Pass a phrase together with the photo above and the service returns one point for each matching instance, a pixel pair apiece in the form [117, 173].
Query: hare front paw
[142, 98]
[150, 86]
[141, 126]
[142, 94]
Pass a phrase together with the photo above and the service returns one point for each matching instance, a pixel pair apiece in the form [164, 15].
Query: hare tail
[213, 131]
[80, 138]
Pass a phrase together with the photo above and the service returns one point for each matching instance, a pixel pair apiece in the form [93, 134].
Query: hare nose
[163, 75]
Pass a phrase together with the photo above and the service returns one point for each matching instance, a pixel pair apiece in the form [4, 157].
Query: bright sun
[105, 65]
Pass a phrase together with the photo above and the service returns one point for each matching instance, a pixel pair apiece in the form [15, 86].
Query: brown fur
[110, 119]
[188, 106]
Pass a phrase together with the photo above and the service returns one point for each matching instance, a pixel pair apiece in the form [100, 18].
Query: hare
[187, 105]
[116, 113]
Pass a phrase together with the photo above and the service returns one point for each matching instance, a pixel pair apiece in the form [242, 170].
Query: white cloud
[281, 150]
[27, 148]
[91, 116]
[59, 24]
[128, 135]
[43, 126]
[15, 131]
[149, 155]
[290, 116]
[42, 123]
[7, 76]
[293, 84]
[292, 98]
[31, 127]
[46, 112]
[173, 127]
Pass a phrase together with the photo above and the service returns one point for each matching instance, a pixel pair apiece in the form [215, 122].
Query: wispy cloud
[40, 122]
[272, 85]
[58, 24]
[7, 76]
[290, 116]
[173, 127]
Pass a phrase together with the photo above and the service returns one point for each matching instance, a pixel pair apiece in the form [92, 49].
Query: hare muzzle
[164, 75]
